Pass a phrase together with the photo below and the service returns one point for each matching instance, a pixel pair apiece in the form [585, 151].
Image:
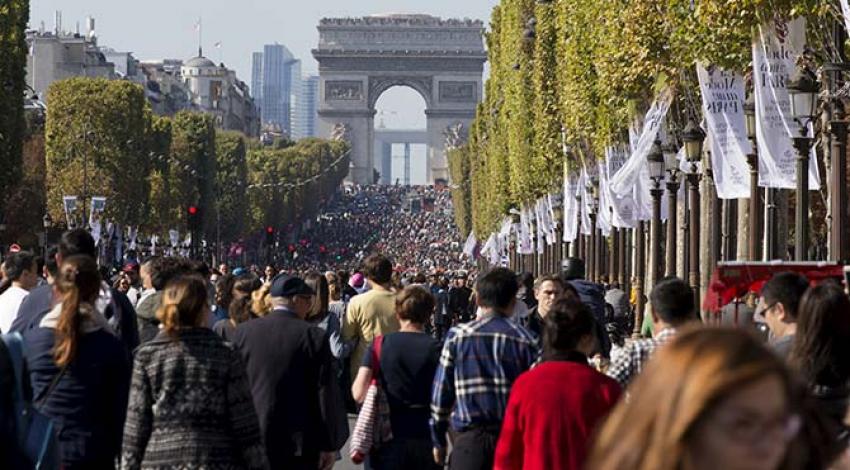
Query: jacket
[89, 401]
[288, 362]
[552, 414]
[190, 406]
[146, 316]
[591, 294]
[113, 305]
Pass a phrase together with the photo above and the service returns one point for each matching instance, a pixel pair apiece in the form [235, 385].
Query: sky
[157, 29]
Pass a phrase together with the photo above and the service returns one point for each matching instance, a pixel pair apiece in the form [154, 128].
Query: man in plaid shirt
[478, 365]
[671, 306]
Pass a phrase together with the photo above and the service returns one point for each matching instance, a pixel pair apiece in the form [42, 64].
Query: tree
[193, 166]
[14, 15]
[164, 208]
[231, 184]
[96, 146]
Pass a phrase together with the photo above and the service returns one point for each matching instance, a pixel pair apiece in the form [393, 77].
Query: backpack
[35, 436]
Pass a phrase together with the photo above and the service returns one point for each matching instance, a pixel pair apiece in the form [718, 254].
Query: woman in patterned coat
[190, 405]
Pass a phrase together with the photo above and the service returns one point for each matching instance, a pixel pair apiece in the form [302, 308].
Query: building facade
[276, 72]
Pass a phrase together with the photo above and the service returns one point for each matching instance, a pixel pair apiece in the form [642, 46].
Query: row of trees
[103, 140]
[14, 15]
[573, 74]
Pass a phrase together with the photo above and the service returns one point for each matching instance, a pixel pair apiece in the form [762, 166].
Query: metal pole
[730, 225]
[592, 252]
[613, 256]
[755, 217]
[693, 236]
[839, 236]
[801, 228]
[670, 251]
[622, 276]
[770, 225]
[640, 272]
[655, 236]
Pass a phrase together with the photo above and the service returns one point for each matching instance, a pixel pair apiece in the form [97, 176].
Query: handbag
[35, 432]
[372, 428]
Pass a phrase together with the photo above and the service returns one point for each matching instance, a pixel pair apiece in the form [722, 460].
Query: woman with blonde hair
[190, 405]
[80, 371]
[261, 300]
[713, 398]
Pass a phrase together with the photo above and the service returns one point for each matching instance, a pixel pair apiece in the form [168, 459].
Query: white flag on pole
[775, 50]
[723, 107]
[469, 246]
[585, 202]
[570, 210]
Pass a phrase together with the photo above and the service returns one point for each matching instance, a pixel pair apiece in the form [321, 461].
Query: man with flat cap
[289, 367]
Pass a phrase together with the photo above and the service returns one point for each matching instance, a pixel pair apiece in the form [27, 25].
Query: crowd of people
[173, 364]
[413, 225]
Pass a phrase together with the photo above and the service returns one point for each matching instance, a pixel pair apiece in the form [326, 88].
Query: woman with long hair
[821, 349]
[80, 370]
[713, 398]
[321, 315]
[190, 404]
[240, 308]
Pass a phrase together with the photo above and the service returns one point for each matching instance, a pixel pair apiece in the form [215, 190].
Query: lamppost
[694, 137]
[803, 90]
[655, 159]
[593, 249]
[754, 221]
[46, 223]
[672, 165]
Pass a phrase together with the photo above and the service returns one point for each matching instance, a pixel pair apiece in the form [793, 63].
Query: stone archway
[360, 58]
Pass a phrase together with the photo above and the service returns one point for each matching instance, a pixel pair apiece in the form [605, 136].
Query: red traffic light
[269, 229]
[193, 210]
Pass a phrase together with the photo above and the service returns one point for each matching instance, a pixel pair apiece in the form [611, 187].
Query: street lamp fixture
[694, 136]
[750, 116]
[655, 158]
[673, 170]
[803, 91]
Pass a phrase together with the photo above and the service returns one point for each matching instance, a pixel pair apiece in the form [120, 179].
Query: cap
[284, 285]
[357, 280]
[130, 267]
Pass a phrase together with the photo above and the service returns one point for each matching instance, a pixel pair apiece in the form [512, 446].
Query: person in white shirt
[22, 270]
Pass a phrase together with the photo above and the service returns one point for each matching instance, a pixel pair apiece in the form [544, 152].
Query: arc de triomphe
[360, 58]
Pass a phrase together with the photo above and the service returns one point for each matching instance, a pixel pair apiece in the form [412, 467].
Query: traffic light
[269, 235]
[193, 218]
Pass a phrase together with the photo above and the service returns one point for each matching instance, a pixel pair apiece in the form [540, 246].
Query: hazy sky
[156, 29]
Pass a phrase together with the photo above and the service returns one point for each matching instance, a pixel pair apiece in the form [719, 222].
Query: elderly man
[288, 362]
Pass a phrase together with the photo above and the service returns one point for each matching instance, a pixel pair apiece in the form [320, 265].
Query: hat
[130, 267]
[284, 285]
[357, 280]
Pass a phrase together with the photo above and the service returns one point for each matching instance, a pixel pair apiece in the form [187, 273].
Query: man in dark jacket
[592, 295]
[111, 303]
[459, 296]
[288, 362]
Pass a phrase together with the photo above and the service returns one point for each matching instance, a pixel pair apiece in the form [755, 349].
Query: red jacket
[552, 414]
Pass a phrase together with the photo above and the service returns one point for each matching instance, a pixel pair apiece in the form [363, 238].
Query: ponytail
[184, 304]
[79, 283]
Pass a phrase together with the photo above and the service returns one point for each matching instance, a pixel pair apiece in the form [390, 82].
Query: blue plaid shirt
[479, 363]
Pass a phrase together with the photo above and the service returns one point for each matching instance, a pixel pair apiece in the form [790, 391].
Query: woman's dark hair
[224, 290]
[79, 284]
[821, 350]
[567, 322]
[414, 304]
[319, 284]
[240, 309]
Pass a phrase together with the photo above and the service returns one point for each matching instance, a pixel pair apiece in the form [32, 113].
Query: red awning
[735, 279]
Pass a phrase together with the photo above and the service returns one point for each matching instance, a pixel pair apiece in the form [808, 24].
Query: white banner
[174, 237]
[775, 51]
[623, 182]
[133, 233]
[623, 207]
[69, 203]
[551, 229]
[98, 205]
[570, 210]
[490, 250]
[603, 219]
[525, 245]
[584, 209]
[540, 228]
[469, 246]
[723, 96]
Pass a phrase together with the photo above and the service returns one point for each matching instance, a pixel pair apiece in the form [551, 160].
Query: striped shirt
[479, 363]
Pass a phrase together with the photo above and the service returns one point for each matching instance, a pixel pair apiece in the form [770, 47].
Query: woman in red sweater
[555, 408]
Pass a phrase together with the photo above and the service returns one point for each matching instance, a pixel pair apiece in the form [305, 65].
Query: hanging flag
[470, 245]
[69, 203]
[541, 230]
[571, 210]
[603, 218]
[775, 50]
[174, 237]
[526, 244]
[723, 98]
[132, 233]
[584, 208]
[624, 180]
[551, 229]
[623, 207]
